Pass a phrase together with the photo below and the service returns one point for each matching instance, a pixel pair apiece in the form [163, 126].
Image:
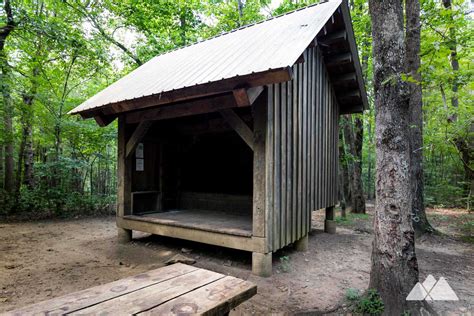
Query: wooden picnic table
[177, 289]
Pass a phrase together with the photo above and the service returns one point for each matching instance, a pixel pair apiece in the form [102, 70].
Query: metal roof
[271, 44]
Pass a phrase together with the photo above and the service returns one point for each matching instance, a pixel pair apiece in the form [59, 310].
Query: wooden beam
[339, 79]
[103, 121]
[333, 60]
[200, 106]
[349, 94]
[238, 125]
[333, 37]
[137, 136]
[212, 88]
[246, 97]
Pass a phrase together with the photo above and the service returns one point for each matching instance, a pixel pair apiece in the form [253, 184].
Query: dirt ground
[44, 259]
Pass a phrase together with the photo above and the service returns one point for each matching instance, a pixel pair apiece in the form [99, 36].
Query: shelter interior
[194, 172]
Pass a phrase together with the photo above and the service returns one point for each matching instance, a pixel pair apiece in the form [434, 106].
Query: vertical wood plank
[269, 169]
[283, 189]
[289, 157]
[305, 144]
[300, 146]
[259, 111]
[124, 169]
[277, 155]
[294, 109]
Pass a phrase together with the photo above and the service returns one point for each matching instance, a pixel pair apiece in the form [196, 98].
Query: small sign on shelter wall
[139, 158]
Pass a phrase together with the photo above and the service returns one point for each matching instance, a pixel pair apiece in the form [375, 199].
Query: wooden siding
[301, 150]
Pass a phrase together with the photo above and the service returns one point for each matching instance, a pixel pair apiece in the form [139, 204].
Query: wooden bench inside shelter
[177, 289]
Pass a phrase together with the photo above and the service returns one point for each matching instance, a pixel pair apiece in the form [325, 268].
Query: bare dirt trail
[42, 260]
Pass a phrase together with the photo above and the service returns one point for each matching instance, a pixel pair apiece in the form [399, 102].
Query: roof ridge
[241, 28]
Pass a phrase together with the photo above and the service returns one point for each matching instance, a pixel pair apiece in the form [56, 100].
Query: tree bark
[394, 269]
[343, 176]
[358, 198]
[412, 65]
[5, 31]
[353, 137]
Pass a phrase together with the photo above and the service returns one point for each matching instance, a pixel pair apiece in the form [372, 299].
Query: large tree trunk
[412, 64]
[394, 269]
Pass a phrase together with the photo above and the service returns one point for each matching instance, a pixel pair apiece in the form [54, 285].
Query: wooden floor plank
[217, 298]
[207, 220]
[152, 296]
[78, 300]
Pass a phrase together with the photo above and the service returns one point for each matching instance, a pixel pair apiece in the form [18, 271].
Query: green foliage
[285, 264]
[350, 218]
[352, 294]
[370, 304]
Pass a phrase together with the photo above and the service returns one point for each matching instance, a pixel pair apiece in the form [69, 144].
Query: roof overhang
[337, 43]
[340, 54]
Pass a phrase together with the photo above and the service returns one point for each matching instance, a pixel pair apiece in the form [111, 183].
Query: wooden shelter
[232, 141]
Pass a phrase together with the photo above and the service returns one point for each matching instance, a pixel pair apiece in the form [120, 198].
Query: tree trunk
[358, 199]
[5, 31]
[354, 144]
[9, 181]
[343, 176]
[412, 65]
[394, 269]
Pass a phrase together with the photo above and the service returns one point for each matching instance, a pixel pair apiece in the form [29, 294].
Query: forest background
[56, 54]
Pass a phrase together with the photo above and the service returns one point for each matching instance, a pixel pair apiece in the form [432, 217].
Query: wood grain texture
[304, 162]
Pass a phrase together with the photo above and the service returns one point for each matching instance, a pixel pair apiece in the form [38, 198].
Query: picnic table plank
[152, 296]
[216, 298]
[85, 298]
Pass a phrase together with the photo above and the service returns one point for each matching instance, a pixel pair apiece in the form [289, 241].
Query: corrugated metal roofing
[271, 44]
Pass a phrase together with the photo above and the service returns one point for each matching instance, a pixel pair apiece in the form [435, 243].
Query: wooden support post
[302, 244]
[238, 125]
[262, 264]
[259, 112]
[137, 136]
[124, 235]
[124, 170]
[329, 223]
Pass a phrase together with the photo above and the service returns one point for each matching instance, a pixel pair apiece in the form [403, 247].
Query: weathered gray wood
[154, 295]
[300, 150]
[193, 107]
[138, 134]
[277, 168]
[294, 110]
[246, 97]
[216, 298]
[333, 37]
[340, 79]
[239, 126]
[283, 188]
[76, 301]
[259, 173]
[289, 162]
[124, 169]
[304, 135]
[269, 170]
[149, 225]
[338, 59]
[212, 88]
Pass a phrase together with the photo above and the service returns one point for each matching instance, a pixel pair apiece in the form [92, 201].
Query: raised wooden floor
[173, 290]
[212, 221]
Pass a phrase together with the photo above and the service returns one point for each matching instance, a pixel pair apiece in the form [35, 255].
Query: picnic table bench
[177, 289]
